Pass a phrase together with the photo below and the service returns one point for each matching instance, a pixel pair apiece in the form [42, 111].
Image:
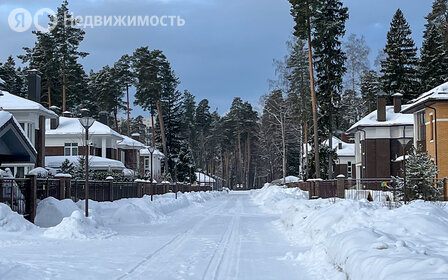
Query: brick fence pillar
[340, 189]
[111, 188]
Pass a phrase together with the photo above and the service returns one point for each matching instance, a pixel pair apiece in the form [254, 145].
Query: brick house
[430, 116]
[129, 151]
[378, 138]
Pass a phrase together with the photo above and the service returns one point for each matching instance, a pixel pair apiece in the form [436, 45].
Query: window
[349, 169]
[431, 126]
[147, 164]
[421, 126]
[70, 149]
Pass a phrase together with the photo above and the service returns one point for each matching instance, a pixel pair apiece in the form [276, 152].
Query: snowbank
[11, 221]
[51, 211]
[364, 240]
[77, 226]
[288, 179]
[143, 210]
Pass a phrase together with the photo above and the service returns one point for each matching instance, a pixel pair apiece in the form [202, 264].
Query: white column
[103, 147]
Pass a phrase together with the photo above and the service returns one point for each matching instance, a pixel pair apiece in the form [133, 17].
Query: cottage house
[157, 158]
[31, 116]
[66, 137]
[129, 151]
[430, 118]
[379, 140]
[15, 147]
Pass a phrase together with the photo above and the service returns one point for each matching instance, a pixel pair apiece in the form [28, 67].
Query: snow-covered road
[225, 238]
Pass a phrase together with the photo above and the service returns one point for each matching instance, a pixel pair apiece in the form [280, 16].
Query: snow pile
[143, 210]
[39, 171]
[77, 226]
[362, 239]
[11, 221]
[51, 211]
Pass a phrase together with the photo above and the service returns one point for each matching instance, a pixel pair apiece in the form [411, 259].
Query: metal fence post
[31, 197]
[340, 189]
[68, 188]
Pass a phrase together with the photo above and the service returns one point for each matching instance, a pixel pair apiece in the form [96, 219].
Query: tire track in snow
[173, 244]
[226, 254]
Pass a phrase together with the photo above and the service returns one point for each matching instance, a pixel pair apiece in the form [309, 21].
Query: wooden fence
[22, 195]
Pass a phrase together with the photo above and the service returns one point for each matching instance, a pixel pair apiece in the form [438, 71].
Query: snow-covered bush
[421, 173]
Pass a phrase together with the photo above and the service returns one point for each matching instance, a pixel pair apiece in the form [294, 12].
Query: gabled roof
[13, 103]
[348, 149]
[15, 147]
[392, 119]
[72, 126]
[129, 143]
[437, 94]
[145, 152]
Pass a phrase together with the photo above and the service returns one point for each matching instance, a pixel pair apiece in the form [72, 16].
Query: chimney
[397, 102]
[381, 104]
[34, 85]
[104, 117]
[54, 123]
[135, 136]
[67, 114]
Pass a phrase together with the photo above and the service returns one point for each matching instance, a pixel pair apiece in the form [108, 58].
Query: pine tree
[400, 66]
[329, 25]
[188, 119]
[203, 119]
[433, 59]
[14, 80]
[125, 78]
[352, 108]
[439, 18]
[421, 173]
[67, 167]
[370, 86]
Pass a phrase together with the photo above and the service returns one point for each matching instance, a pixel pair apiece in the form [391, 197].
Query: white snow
[363, 240]
[95, 162]
[39, 171]
[392, 119]
[203, 178]
[72, 126]
[51, 211]
[145, 152]
[11, 221]
[129, 143]
[11, 102]
[77, 226]
[438, 93]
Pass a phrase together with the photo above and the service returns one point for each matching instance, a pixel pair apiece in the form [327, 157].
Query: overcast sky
[226, 47]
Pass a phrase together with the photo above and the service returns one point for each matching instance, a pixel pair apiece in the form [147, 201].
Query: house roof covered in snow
[145, 152]
[129, 143]
[392, 119]
[437, 94]
[201, 177]
[13, 103]
[347, 150]
[14, 145]
[72, 126]
[97, 163]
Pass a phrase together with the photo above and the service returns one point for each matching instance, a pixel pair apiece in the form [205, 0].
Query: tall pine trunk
[313, 97]
[162, 134]
[129, 118]
[49, 96]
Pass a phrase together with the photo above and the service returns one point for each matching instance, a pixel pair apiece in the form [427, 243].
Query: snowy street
[224, 238]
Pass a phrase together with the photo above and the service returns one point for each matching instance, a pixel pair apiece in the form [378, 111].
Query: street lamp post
[199, 180]
[87, 122]
[176, 161]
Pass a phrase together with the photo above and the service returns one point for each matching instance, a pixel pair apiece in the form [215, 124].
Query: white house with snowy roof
[31, 116]
[379, 137]
[66, 137]
[129, 151]
[145, 158]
